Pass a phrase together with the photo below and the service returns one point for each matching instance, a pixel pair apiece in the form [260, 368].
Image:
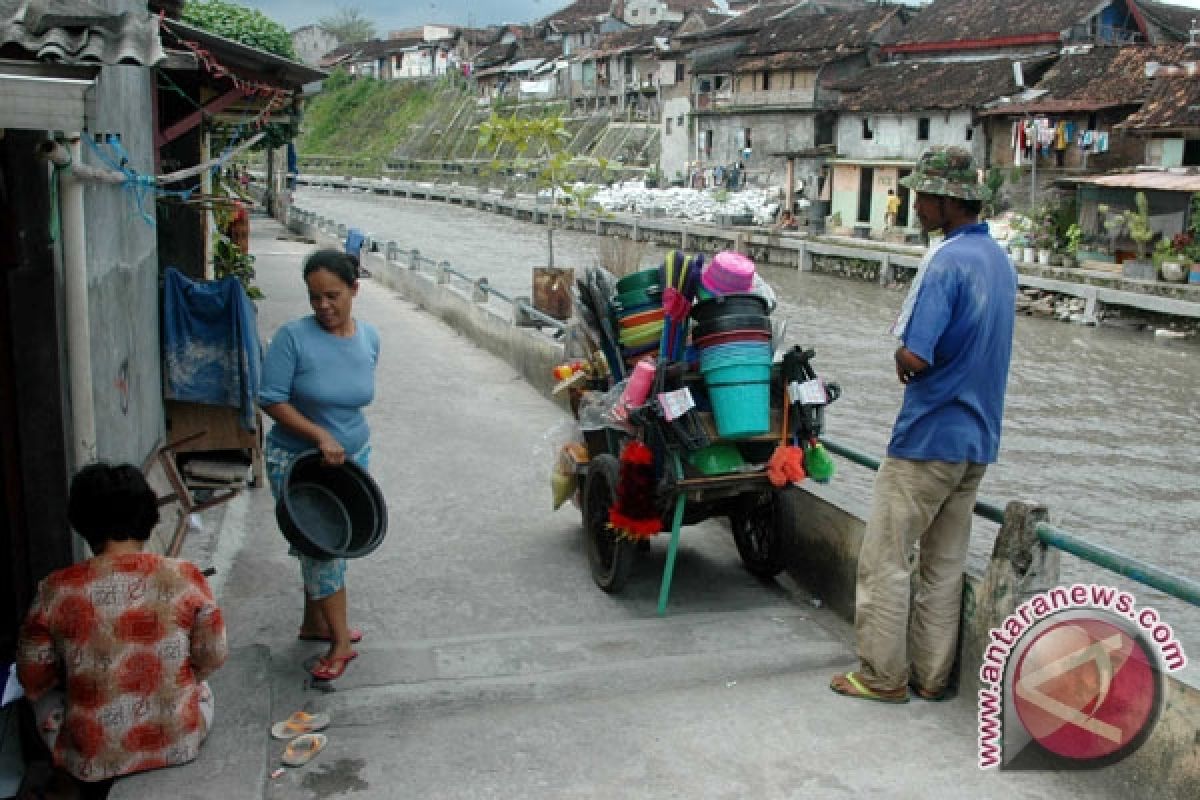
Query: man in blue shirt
[955, 330]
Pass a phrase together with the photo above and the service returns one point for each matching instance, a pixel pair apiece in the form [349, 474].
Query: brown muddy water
[1102, 425]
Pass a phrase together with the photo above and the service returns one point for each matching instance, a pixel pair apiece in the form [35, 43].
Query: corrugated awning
[80, 32]
[527, 65]
[1154, 181]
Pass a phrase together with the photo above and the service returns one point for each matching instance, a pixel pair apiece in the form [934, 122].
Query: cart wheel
[760, 528]
[609, 554]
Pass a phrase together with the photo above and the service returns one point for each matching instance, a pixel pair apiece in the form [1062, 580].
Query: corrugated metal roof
[1161, 181]
[79, 32]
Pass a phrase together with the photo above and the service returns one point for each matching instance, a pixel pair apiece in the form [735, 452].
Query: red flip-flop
[330, 669]
[356, 636]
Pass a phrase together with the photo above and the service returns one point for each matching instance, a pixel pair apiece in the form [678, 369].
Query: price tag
[677, 403]
[809, 393]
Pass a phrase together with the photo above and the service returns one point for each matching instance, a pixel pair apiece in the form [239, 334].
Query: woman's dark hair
[343, 265]
[111, 503]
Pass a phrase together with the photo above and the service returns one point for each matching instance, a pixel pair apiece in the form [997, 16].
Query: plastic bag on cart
[598, 410]
[565, 442]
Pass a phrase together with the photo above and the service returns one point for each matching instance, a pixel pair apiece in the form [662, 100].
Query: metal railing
[1145, 573]
[441, 271]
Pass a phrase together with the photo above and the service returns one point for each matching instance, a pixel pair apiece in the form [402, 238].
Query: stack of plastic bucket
[638, 313]
[733, 335]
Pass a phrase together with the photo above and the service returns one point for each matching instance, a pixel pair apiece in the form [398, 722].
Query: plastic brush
[817, 461]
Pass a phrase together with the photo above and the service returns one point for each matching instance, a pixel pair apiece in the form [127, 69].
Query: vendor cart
[763, 511]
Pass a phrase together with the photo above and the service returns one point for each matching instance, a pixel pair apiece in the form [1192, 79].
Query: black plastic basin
[331, 512]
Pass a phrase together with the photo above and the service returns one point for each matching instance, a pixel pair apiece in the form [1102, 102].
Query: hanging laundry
[1102, 142]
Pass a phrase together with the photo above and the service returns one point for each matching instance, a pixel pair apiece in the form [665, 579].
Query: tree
[536, 138]
[348, 24]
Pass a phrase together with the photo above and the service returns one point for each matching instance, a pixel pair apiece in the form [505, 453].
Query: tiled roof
[579, 10]
[537, 48]
[494, 54]
[631, 39]
[974, 20]
[1175, 21]
[751, 21]
[838, 30]
[78, 32]
[1172, 104]
[1104, 77]
[927, 85]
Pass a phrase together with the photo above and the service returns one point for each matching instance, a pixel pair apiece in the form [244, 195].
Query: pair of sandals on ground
[850, 684]
[301, 731]
[326, 668]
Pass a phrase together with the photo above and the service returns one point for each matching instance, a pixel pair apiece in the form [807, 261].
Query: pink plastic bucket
[728, 273]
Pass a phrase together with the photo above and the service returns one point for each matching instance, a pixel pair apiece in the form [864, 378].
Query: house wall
[123, 274]
[895, 135]
[311, 42]
[675, 150]
[1123, 150]
[770, 133]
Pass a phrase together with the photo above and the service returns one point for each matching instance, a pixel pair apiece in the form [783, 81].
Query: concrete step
[572, 662]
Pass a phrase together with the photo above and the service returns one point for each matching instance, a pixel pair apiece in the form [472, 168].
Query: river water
[1102, 425]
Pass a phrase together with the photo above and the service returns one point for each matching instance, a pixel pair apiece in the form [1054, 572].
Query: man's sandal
[929, 695]
[303, 749]
[330, 669]
[850, 685]
[299, 723]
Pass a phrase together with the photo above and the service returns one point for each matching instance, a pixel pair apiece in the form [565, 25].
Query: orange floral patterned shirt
[128, 638]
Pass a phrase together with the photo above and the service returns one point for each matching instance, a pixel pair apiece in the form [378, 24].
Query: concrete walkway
[494, 668]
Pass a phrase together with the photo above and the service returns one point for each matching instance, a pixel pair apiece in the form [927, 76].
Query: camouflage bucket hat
[947, 171]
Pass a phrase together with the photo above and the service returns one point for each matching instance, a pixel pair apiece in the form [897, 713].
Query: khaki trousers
[925, 503]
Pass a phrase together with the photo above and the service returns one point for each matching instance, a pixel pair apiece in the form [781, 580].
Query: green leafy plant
[991, 190]
[241, 24]
[1073, 238]
[1138, 222]
[540, 144]
[228, 259]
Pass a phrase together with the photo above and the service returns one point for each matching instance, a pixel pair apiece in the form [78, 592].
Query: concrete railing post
[885, 269]
[391, 250]
[805, 257]
[1020, 566]
[443, 272]
[479, 290]
[414, 259]
[683, 237]
[341, 232]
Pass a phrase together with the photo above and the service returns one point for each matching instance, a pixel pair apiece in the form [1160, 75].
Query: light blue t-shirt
[329, 379]
[962, 326]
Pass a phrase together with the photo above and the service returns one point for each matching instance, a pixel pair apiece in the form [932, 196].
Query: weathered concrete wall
[675, 150]
[895, 135]
[769, 133]
[123, 291]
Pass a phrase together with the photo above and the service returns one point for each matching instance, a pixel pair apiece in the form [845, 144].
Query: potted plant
[1170, 257]
[1138, 223]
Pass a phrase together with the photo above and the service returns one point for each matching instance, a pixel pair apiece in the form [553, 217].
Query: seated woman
[787, 221]
[114, 651]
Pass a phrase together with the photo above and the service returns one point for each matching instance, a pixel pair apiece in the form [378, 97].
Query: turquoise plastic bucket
[740, 395]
